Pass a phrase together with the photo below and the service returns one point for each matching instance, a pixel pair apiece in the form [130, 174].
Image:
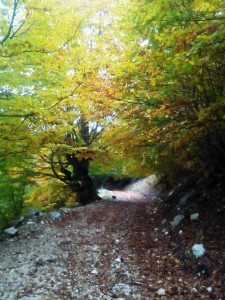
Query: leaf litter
[112, 250]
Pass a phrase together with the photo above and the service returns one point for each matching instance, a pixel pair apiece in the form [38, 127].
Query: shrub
[52, 195]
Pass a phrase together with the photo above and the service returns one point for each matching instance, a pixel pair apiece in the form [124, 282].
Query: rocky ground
[121, 249]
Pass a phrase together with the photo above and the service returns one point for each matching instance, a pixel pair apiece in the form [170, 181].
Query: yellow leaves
[204, 37]
[153, 81]
[191, 62]
[49, 195]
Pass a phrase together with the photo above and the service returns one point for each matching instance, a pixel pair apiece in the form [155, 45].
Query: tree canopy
[173, 84]
[125, 87]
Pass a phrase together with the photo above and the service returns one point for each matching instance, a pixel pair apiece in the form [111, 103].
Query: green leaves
[14, 178]
[181, 69]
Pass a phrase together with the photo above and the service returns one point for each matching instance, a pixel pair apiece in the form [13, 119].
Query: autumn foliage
[174, 84]
[127, 88]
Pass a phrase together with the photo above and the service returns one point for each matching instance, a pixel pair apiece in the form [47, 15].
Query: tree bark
[79, 178]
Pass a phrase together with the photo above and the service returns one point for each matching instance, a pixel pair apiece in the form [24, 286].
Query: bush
[52, 195]
[13, 189]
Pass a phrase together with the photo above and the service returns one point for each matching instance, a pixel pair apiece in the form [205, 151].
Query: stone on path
[176, 221]
[11, 231]
[198, 250]
[161, 292]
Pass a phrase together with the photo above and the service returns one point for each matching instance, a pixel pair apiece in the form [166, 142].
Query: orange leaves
[184, 41]
[84, 154]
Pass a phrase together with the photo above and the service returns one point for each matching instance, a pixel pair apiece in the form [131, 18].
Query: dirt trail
[107, 250]
[101, 251]
[143, 190]
[128, 196]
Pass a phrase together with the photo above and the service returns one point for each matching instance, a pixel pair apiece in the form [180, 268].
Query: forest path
[142, 190]
[106, 250]
[103, 251]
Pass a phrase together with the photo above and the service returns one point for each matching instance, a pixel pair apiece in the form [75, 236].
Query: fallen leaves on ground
[113, 250]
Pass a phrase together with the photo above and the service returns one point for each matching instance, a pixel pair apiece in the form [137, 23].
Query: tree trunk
[81, 182]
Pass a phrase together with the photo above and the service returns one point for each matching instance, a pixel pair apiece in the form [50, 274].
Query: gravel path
[86, 255]
[106, 250]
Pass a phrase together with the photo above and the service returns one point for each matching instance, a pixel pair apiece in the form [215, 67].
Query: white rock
[194, 217]
[194, 291]
[105, 194]
[55, 215]
[94, 272]
[118, 260]
[209, 289]
[198, 250]
[11, 231]
[117, 242]
[161, 292]
[176, 221]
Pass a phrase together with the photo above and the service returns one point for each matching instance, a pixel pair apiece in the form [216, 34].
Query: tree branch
[51, 162]
[54, 50]
[13, 153]
[10, 30]
[18, 116]
[94, 134]
[65, 97]
[20, 26]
